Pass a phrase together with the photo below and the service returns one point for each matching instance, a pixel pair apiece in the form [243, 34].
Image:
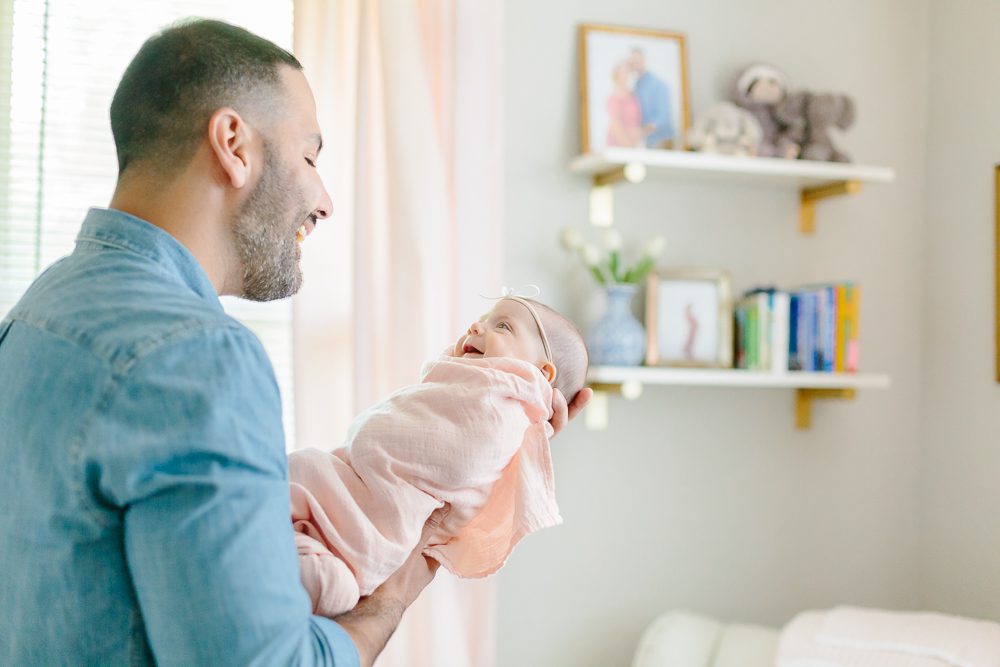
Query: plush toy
[760, 89]
[809, 117]
[726, 129]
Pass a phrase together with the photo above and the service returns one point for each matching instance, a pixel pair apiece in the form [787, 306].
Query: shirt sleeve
[664, 121]
[654, 97]
[196, 461]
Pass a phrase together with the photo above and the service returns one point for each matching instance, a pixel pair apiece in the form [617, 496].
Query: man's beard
[264, 229]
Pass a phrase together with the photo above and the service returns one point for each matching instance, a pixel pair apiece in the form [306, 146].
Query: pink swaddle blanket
[468, 445]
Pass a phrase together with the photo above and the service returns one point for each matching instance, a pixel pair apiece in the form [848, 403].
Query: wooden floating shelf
[628, 381]
[798, 173]
[710, 377]
[814, 180]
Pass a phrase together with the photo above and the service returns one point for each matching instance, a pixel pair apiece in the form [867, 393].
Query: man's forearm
[371, 623]
[374, 619]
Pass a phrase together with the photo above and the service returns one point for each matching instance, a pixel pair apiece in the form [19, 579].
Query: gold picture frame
[689, 319]
[996, 265]
[606, 54]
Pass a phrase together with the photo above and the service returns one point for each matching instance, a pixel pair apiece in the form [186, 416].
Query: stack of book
[809, 329]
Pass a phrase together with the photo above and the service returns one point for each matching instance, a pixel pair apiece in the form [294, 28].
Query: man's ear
[549, 371]
[229, 139]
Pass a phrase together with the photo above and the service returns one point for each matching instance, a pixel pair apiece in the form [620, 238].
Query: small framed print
[689, 319]
[633, 88]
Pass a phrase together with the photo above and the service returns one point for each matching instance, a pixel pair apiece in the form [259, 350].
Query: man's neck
[190, 213]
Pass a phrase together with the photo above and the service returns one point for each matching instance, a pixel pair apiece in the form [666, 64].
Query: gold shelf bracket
[809, 197]
[805, 397]
[596, 412]
[602, 195]
[629, 389]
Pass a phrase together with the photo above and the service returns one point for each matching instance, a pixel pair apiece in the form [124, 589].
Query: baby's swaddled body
[465, 452]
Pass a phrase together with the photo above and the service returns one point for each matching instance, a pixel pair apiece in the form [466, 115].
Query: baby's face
[508, 330]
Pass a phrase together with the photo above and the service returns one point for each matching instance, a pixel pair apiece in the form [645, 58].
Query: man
[144, 504]
[654, 100]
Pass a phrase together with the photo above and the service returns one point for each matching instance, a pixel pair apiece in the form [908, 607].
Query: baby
[459, 462]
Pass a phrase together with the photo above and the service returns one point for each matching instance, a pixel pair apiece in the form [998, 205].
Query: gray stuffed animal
[760, 89]
[809, 117]
[725, 129]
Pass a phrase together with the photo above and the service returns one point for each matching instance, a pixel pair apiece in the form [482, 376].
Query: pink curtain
[408, 93]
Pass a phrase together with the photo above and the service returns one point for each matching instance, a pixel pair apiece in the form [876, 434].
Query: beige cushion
[678, 639]
[746, 646]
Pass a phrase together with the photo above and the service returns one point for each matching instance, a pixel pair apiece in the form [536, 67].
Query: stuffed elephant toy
[808, 118]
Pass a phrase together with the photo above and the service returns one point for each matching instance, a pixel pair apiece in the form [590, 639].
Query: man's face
[282, 208]
[508, 330]
[638, 62]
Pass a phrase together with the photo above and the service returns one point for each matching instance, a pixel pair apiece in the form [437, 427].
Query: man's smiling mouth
[305, 229]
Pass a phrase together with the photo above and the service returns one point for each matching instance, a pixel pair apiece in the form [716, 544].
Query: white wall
[704, 498]
[960, 465]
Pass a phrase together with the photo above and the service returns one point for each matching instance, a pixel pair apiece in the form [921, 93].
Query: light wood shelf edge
[809, 386]
[815, 181]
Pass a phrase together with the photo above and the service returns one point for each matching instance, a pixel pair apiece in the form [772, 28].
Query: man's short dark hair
[178, 78]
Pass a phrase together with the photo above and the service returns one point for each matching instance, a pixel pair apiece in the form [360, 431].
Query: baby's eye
[503, 325]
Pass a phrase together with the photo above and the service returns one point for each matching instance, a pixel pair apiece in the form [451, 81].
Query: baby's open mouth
[471, 349]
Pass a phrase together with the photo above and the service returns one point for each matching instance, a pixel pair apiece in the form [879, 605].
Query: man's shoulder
[123, 314]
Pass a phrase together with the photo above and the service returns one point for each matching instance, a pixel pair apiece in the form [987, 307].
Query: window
[61, 61]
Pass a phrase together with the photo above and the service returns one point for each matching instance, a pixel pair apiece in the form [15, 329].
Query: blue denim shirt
[144, 505]
[654, 100]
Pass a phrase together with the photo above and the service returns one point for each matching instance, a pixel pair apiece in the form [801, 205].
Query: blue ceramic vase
[618, 338]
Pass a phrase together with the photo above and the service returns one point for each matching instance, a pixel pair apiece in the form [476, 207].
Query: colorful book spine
[740, 326]
[763, 309]
[840, 351]
[794, 358]
[849, 325]
[829, 327]
[780, 331]
[809, 331]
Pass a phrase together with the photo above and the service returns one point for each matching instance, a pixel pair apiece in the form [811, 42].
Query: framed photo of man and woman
[633, 88]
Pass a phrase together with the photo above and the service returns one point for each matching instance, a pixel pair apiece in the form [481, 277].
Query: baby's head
[530, 331]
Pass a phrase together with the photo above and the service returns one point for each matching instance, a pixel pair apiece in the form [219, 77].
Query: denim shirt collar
[109, 227]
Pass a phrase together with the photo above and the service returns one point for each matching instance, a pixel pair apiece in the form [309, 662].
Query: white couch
[686, 639]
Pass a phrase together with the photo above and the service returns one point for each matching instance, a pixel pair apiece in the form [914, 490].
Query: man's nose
[325, 208]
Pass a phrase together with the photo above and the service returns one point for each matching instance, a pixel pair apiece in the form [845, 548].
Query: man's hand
[562, 413]
[374, 619]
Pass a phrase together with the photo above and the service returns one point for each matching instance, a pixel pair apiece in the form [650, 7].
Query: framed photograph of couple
[633, 88]
[689, 319]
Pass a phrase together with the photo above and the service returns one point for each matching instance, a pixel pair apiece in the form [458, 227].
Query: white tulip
[654, 246]
[612, 239]
[590, 255]
[571, 239]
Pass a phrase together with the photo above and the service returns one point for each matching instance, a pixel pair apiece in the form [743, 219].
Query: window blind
[61, 61]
